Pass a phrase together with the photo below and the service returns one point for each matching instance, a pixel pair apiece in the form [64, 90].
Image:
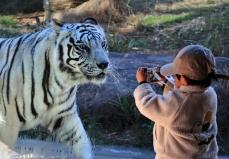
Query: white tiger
[39, 75]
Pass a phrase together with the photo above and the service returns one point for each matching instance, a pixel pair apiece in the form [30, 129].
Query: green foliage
[137, 43]
[119, 123]
[123, 44]
[127, 105]
[141, 126]
[8, 21]
[152, 20]
[118, 44]
[218, 31]
[207, 25]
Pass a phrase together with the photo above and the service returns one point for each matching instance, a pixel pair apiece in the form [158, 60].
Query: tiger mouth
[102, 75]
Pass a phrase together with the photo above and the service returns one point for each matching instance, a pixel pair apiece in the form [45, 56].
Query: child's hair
[203, 83]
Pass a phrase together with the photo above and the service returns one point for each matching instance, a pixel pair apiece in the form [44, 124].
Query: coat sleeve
[158, 108]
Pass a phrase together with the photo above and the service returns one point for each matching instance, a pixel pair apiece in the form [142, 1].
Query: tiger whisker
[114, 74]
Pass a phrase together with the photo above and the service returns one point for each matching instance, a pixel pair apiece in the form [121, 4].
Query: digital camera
[153, 75]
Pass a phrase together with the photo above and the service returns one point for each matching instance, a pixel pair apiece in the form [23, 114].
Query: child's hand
[141, 74]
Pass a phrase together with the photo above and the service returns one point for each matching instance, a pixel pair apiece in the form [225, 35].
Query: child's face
[179, 81]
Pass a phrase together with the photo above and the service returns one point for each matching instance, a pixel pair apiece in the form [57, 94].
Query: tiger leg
[69, 130]
[9, 132]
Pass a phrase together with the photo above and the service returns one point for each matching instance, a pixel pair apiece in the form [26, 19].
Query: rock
[122, 82]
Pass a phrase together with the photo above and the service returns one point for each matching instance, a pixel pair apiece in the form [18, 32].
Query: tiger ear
[56, 24]
[90, 21]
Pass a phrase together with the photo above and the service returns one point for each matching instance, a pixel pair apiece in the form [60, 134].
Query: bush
[8, 21]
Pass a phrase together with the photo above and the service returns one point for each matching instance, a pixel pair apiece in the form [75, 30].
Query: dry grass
[187, 5]
[170, 26]
[102, 10]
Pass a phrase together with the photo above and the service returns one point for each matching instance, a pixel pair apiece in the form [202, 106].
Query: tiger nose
[103, 65]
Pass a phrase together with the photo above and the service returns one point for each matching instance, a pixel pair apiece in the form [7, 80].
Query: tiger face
[83, 53]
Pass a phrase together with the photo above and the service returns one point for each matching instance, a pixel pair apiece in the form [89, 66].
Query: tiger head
[82, 51]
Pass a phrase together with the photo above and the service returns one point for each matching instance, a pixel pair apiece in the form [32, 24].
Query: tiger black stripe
[58, 83]
[26, 37]
[45, 81]
[23, 82]
[80, 26]
[57, 123]
[23, 102]
[48, 75]
[7, 55]
[61, 57]
[76, 140]
[3, 85]
[20, 117]
[69, 52]
[37, 42]
[81, 62]
[69, 49]
[71, 40]
[70, 136]
[2, 42]
[86, 26]
[81, 36]
[11, 64]
[68, 97]
[33, 39]
[66, 110]
[84, 30]
[62, 67]
[68, 62]
[23, 72]
[34, 112]
[68, 132]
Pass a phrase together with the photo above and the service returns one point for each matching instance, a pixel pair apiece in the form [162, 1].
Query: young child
[185, 117]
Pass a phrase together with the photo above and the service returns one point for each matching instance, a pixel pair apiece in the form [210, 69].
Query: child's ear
[183, 80]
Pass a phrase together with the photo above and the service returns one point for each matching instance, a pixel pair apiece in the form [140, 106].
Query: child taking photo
[185, 116]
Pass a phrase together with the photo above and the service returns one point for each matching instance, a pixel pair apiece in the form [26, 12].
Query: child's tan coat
[185, 121]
